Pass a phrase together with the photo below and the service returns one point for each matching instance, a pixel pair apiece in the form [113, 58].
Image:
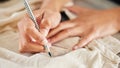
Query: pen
[27, 6]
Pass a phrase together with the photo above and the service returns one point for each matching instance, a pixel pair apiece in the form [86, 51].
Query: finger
[78, 9]
[34, 35]
[44, 27]
[39, 18]
[23, 40]
[26, 38]
[31, 48]
[38, 13]
[62, 26]
[26, 45]
[64, 34]
[23, 37]
[84, 41]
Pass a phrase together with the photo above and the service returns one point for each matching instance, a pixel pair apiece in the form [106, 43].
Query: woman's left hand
[89, 25]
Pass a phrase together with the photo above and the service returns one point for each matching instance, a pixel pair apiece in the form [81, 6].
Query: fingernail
[48, 40]
[51, 41]
[49, 44]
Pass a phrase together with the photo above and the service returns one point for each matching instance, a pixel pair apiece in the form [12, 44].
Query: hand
[31, 40]
[89, 25]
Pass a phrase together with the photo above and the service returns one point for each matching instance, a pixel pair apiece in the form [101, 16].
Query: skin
[89, 25]
[48, 17]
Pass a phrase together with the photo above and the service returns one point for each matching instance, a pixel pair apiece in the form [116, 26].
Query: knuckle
[68, 32]
[39, 40]
[95, 32]
[22, 47]
[28, 29]
[60, 25]
[94, 28]
[20, 23]
[45, 22]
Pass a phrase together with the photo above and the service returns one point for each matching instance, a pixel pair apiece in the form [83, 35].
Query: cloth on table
[100, 53]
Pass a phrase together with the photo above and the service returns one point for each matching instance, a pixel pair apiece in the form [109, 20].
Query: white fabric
[99, 53]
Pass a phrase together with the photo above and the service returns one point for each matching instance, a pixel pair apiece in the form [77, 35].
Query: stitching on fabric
[103, 52]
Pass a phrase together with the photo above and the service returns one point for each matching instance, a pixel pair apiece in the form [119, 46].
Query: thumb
[77, 9]
[84, 41]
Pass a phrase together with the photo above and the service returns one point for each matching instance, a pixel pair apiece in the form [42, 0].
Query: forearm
[55, 5]
[118, 13]
[119, 24]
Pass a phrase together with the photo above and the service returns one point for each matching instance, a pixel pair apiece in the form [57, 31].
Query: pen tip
[49, 54]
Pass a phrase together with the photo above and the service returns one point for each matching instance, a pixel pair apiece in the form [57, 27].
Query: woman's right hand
[27, 31]
[31, 40]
